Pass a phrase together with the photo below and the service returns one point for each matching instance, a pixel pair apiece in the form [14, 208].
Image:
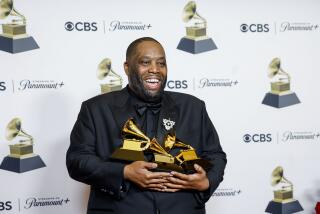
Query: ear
[126, 67]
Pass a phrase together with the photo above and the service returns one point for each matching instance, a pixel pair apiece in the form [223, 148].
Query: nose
[154, 68]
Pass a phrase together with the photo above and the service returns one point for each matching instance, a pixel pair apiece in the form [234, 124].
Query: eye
[162, 64]
[145, 62]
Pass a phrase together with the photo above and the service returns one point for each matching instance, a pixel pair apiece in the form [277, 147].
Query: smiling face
[147, 70]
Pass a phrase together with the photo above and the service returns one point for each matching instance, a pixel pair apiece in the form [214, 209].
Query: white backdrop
[72, 57]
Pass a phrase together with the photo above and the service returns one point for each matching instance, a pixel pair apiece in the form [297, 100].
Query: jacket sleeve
[211, 150]
[85, 165]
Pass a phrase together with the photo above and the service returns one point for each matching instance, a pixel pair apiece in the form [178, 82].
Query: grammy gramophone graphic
[14, 38]
[283, 202]
[280, 94]
[21, 158]
[114, 81]
[136, 144]
[196, 40]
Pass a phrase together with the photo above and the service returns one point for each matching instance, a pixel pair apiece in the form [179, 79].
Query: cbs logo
[81, 26]
[177, 84]
[3, 86]
[5, 205]
[257, 138]
[259, 28]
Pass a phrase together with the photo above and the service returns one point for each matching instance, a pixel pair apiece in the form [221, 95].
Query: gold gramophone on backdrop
[280, 94]
[283, 201]
[196, 40]
[136, 145]
[14, 38]
[114, 81]
[21, 158]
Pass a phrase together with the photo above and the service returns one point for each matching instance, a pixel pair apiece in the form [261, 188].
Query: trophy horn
[14, 129]
[277, 177]
[190, 12]
[274, 67]
[104, 70]
[156, 147]
[6, 9]
[169, 141]
[130, 130]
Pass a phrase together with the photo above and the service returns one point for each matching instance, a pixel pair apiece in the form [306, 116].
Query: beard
[136, 84]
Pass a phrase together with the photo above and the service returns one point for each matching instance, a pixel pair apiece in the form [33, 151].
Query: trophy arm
[203, 20]
[17, 14]
[285, 180]
[286, 74]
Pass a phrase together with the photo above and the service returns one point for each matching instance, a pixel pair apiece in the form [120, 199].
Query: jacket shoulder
[106, 99]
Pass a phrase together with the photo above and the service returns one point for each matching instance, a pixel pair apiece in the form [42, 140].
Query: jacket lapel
[122, 109]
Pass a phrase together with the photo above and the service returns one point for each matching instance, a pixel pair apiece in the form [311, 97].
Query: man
[124, 188]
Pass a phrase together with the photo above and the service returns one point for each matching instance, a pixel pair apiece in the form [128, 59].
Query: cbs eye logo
[69, 26]
[81, 26]
[254, 28]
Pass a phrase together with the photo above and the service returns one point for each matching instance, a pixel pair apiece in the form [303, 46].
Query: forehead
[149, 49]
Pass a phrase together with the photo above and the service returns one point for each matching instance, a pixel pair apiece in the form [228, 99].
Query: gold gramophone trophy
[280, 94]
[21, 158]
[136, 144]
[187, 156]
[114, 83]
[196, 40]
[283, 202]
[14, 38]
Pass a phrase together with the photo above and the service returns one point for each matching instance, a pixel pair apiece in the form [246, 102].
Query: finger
[180, 175]
[177, 181]
[148, 165]
[157, 189]
[174, 186]
[156, 181]
[170, 190]
[157, 186]
[199, 169]
[157, 175]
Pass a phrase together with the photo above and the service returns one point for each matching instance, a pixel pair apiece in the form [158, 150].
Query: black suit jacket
[97, 133]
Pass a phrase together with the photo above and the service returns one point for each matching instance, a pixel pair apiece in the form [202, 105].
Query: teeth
[152, 80]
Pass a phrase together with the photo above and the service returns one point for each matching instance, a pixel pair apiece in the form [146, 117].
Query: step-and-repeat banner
[255, 63]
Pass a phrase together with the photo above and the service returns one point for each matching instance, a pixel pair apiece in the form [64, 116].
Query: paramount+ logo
[257, 138]
[255, 28]
[81, 26]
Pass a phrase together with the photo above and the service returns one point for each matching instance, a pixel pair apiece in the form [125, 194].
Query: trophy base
[12, 45]
[196, 46]
[280, 101]
[284, 208]
[168, 167]
[188, 166]
[106, 88]
[20, 165]
[127, 155]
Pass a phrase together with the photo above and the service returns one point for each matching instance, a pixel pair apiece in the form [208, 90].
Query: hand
[138, 172]
[197, 181]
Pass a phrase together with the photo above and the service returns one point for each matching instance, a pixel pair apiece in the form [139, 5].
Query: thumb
[199, 169]
[148, 165]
